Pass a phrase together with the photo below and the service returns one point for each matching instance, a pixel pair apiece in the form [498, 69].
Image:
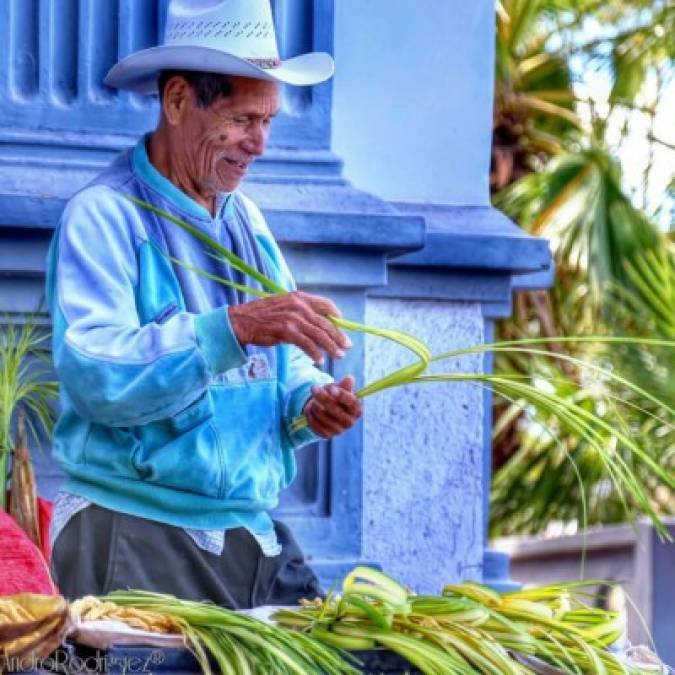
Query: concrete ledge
[474, 237]
[596, 539]
[388, 233]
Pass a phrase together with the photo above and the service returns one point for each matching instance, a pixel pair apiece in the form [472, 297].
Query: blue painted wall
[57, 53]
[409, 111]
[412, 102]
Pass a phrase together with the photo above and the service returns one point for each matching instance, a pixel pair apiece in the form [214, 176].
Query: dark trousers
[101, 550]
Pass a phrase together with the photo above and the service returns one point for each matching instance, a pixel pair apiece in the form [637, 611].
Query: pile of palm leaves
[468, 629]
[239, 644]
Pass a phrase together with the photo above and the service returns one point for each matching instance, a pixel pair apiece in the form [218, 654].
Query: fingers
[347, 383]
[307, 345]
[338, 401]
[322, 423]
[316, 309]
[320, 305]
[333, 395]
[335, 416]
[332, 333]
[333, 408]
[331, 341]
[321, 332]
[296, 318]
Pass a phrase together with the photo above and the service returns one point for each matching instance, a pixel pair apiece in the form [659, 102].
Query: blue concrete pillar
[428, 448]
[412, 120]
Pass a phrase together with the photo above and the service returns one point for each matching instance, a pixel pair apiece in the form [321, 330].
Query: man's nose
[256, 139]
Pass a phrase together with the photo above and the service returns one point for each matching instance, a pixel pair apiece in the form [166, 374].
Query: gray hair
[207, 86]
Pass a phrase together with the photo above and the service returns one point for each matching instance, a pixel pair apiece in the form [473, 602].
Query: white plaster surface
[422, 470]
[412, 98]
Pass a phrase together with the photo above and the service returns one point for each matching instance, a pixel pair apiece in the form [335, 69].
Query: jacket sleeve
[115, 371]
[298, 373]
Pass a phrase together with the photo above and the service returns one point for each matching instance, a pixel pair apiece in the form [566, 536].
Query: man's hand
[333, 408]
[294, 318]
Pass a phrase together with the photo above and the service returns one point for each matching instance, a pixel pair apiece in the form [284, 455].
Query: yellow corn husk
[32, 625]
[91, 608]
[23, 502]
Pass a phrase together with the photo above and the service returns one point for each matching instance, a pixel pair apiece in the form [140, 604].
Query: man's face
[223, 140]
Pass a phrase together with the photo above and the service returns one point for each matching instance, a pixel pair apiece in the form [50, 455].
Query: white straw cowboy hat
[233, 37]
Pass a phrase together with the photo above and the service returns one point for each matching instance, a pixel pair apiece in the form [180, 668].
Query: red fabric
[45, 510]
[23, 568]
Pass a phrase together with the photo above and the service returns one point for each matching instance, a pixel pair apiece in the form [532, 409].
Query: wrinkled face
[221, 141]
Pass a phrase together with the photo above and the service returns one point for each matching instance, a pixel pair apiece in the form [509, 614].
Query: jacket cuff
[296, 404]
[217, 341]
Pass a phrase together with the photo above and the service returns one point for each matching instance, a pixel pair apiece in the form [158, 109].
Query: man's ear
[177, 99]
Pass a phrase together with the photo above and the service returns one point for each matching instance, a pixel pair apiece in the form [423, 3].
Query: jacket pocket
[247, 424]
[182, 451]
[110, 449]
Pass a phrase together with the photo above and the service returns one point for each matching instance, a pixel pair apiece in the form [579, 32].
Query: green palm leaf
[24, 369]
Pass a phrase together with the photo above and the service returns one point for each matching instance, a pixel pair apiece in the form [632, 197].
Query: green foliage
[577, 203]
[614, 276]
[239, 644]
[24, 367]
[637, 49]
[555, 474]
[534, 100]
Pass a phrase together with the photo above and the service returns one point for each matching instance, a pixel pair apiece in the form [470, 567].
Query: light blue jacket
[163, 414]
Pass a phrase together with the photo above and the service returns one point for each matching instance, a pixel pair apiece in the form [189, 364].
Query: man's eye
[242, 120]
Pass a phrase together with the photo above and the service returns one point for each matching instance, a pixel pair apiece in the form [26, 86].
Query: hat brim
[138, 72]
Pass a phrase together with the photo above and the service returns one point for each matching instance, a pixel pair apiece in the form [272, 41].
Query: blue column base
[496, 571]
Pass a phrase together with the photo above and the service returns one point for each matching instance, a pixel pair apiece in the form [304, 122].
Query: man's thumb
[347, 383]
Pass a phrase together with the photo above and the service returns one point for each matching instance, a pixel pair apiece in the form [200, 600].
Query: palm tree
[555, 175]
[554, 474]
[535, 98]
[26, 395]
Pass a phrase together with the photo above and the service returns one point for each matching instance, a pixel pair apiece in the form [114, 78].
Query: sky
[633, 151]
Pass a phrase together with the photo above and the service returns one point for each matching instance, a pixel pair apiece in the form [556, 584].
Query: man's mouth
[241, 166]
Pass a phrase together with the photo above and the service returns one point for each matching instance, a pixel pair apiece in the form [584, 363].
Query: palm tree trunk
[23, 502]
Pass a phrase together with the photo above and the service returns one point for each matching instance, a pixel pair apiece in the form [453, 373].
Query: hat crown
[244, 28]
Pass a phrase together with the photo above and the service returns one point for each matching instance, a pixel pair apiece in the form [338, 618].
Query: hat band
[265, 63]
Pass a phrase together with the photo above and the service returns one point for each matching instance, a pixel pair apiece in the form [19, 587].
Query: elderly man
[178, 393]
